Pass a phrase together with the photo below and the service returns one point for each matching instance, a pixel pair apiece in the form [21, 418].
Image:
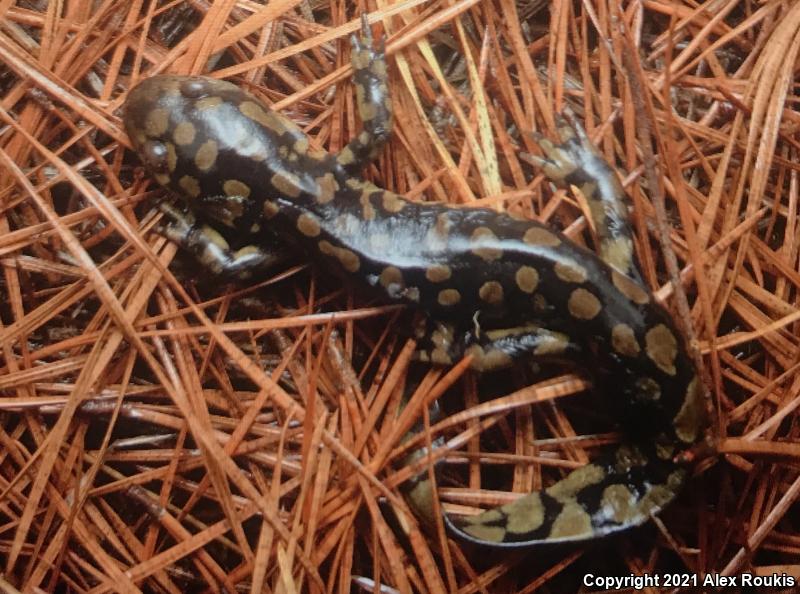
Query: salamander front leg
[372, 97]
[491, 350]
[211, 249]
[576, 162]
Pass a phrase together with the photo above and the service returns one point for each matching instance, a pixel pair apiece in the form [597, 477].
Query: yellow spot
[438, 273]
[576, 481]
[619, 503]
[378, 68]
[156, 122]
[347, 258]
[213, 236]
[662, 348]
[207, 103]
[624, 340]
[524, 515]
[630, 288]
[233, 187]
[570, 271]
[583, 305]
[484, 237]
[359, 60]
[490, 360]
[163, 178]
[327, 188]
[301, 146]
[367, 111]
[270, 208]
[346, 156]
[267, 118]
[286, 183]
[391, 276]
[540, 236]
[440, 357]
[449, 297]
[412, 294]
[442, 336]
[617, 252]
[392, 202]
[367, 210]
[690, 420]
[572, 522]
[527, 279]
[172, 157]
[184, 133]
[308, 225]
[491, 292]
[190, 186]
[206, 155]
[659, 495]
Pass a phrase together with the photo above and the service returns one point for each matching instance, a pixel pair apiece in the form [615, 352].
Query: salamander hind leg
[212, 250]
[493, 350]
[575, 161]
[620, 491]
[372, 98]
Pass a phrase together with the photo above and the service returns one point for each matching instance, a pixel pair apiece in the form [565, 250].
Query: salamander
[494, 287]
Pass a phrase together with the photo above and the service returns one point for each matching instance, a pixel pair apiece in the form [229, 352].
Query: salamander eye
[195, 88]
[154, 155]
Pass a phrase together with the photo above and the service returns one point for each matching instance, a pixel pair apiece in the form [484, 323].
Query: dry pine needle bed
[166, 431]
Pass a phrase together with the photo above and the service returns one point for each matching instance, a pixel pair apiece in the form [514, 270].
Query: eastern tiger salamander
[494, 287]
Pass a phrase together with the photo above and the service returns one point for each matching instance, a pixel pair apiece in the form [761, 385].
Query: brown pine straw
[164, 434]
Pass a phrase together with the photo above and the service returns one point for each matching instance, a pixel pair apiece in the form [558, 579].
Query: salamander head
[168, 117]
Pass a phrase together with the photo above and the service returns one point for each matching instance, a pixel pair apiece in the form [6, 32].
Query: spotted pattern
[491, 283]
[583, 305]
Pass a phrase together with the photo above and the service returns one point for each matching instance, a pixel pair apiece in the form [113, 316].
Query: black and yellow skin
[494, 287]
